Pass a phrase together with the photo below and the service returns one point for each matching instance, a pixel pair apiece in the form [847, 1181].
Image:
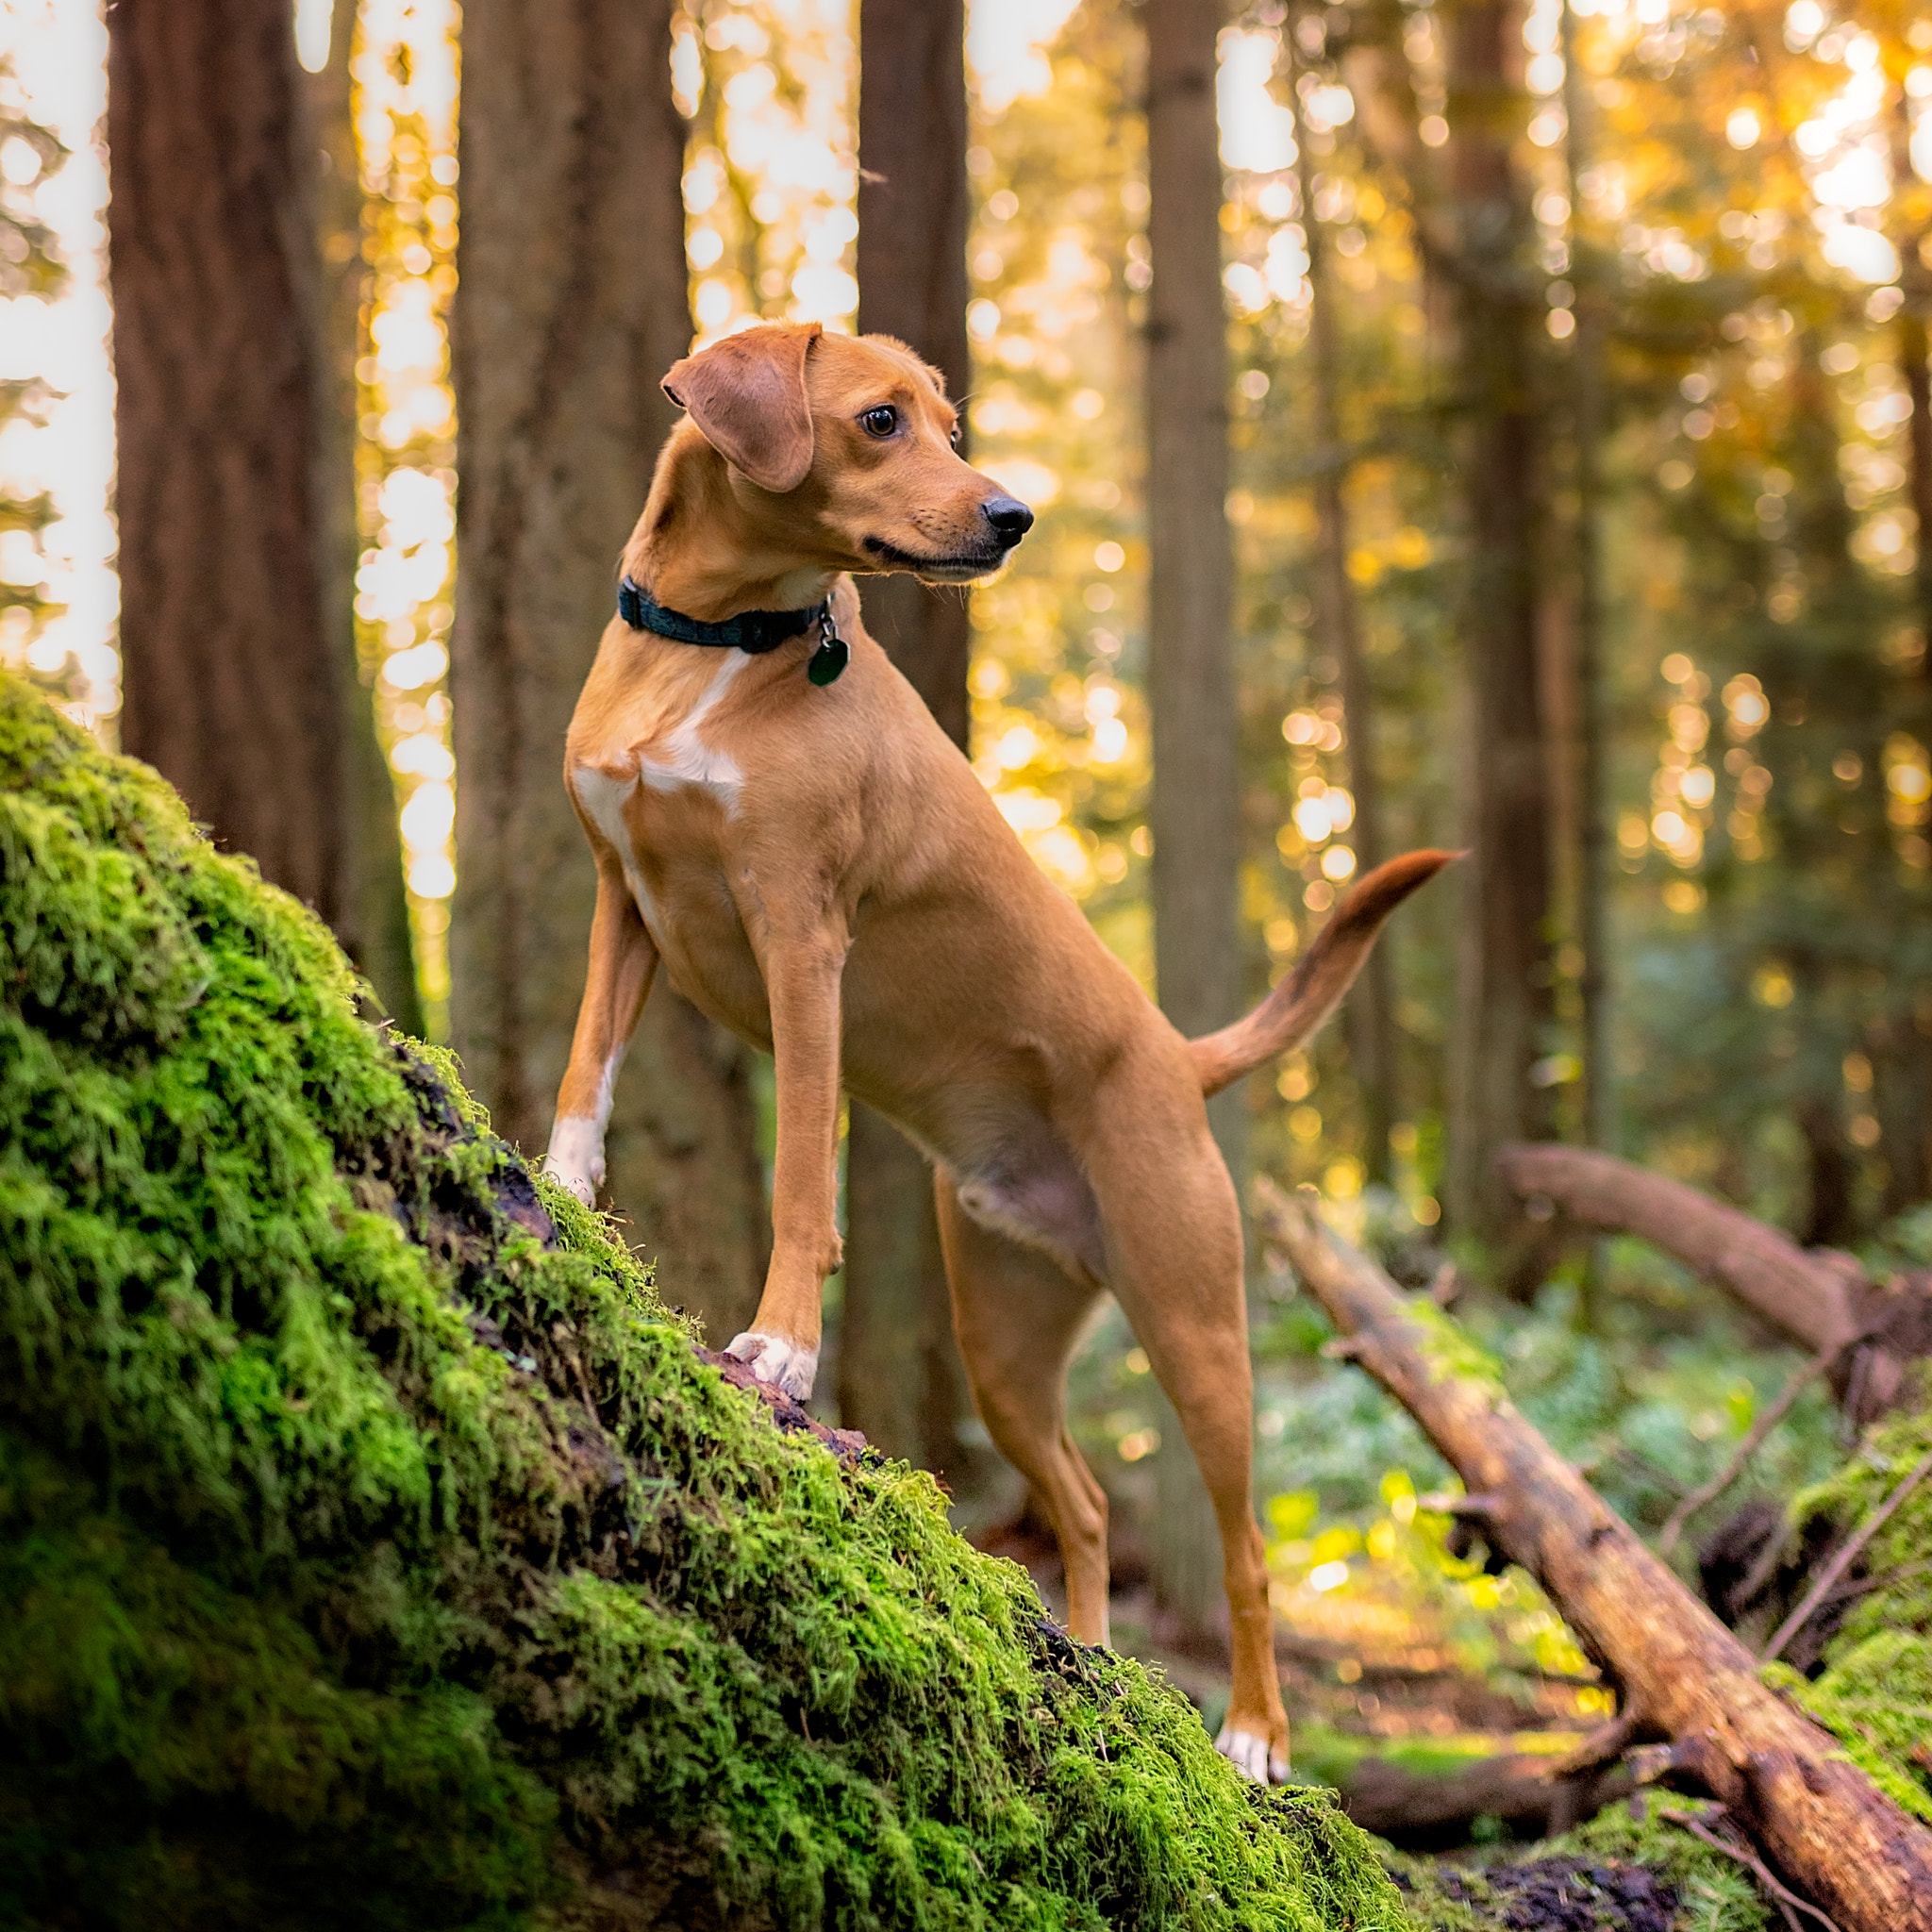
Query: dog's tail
[1299, 1005]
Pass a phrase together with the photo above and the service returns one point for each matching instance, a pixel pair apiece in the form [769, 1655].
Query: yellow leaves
[1408, 548]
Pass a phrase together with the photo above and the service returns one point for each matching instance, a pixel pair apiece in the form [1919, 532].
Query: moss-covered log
[376, 1551]
[1684, 1677]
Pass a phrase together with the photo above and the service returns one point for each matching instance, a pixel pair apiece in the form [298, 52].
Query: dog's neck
[702, 550]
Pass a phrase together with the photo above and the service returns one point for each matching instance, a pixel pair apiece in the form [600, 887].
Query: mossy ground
[1875, 1694]
[376, 1551]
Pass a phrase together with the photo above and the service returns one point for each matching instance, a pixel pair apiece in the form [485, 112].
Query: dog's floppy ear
[746, 393]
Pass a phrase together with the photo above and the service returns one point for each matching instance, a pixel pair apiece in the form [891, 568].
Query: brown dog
[818, 870]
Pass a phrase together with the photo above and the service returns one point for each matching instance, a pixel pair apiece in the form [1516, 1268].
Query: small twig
[1842, 1559]
[1604, 1745]
[1779, 1408]
[1781, 1895]
[1483, 1504]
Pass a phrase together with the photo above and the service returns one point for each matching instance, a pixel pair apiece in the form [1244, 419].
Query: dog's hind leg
[1174, 1245]
[1018, 1313]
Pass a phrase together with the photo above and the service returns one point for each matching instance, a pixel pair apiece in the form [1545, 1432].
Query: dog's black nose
[1009, 517]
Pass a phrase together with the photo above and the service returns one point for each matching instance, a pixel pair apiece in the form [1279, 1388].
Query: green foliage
[1875, 1694]
[371, 1557]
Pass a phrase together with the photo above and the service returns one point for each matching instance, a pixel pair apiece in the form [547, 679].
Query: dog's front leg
[622, 964]
[802, 975]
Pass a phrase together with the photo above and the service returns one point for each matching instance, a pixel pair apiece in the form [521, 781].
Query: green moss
[1875, 1694]
[1451, 1351]
[376, 1551]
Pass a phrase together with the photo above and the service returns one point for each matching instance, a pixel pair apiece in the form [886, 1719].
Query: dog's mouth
[963, 567]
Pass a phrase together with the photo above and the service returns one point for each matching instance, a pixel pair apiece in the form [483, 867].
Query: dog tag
[829, 661]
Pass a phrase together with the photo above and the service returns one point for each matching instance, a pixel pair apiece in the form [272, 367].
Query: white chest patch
[683, 758]
[603, 798]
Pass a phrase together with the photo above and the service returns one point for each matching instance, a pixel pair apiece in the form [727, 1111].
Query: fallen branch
[1422, 1812]
[1776, 1413]
[1805, 1297]
[1684, 1677]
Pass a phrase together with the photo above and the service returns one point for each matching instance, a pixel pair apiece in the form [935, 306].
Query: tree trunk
[375, 922]
[1370, 1015]
[571, 306]
[900, 1377]
[1683, 1677]
[1903, 1055]
[1195, 811]
[234, 673]
[1592, 813]
[1504, 991]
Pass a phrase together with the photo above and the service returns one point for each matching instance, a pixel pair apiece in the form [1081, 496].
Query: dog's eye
[954, 437]
[880, 421]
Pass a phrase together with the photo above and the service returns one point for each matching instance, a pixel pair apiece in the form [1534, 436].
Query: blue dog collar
[753, 631]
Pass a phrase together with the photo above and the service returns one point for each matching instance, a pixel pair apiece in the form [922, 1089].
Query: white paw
[577, 1156]
[580, 1183]
[792, 1366]
[1249, 1755]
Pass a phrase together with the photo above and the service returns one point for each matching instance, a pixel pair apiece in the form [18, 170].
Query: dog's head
[849, 442]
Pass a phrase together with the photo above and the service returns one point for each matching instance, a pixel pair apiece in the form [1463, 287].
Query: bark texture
[572, 303]
[233, 675]
[374, 923]
[1196, 810]
[1504, 991]
[1370, 1015]
[900, 1378]
[1586, 415]
[1683, 1677]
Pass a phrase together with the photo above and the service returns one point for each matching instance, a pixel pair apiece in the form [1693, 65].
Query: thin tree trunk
[900, 1377]
[1196, 810]
[1592, 818]
[233, 672]
[1503, 996]
[374, 923]
[1370, 1015]
[1902, 1057]
[571, 306]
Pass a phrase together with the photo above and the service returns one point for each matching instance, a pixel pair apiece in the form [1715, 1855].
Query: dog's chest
[663, 788]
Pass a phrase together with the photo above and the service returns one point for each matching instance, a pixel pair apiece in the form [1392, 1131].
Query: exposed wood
[900, 1377]
[1805, 1297]
[1194, 812]
[1683, 1677]
[234, 687]
[571, 306]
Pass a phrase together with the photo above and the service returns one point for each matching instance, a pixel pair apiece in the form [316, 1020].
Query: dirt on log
[1684, 1679]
